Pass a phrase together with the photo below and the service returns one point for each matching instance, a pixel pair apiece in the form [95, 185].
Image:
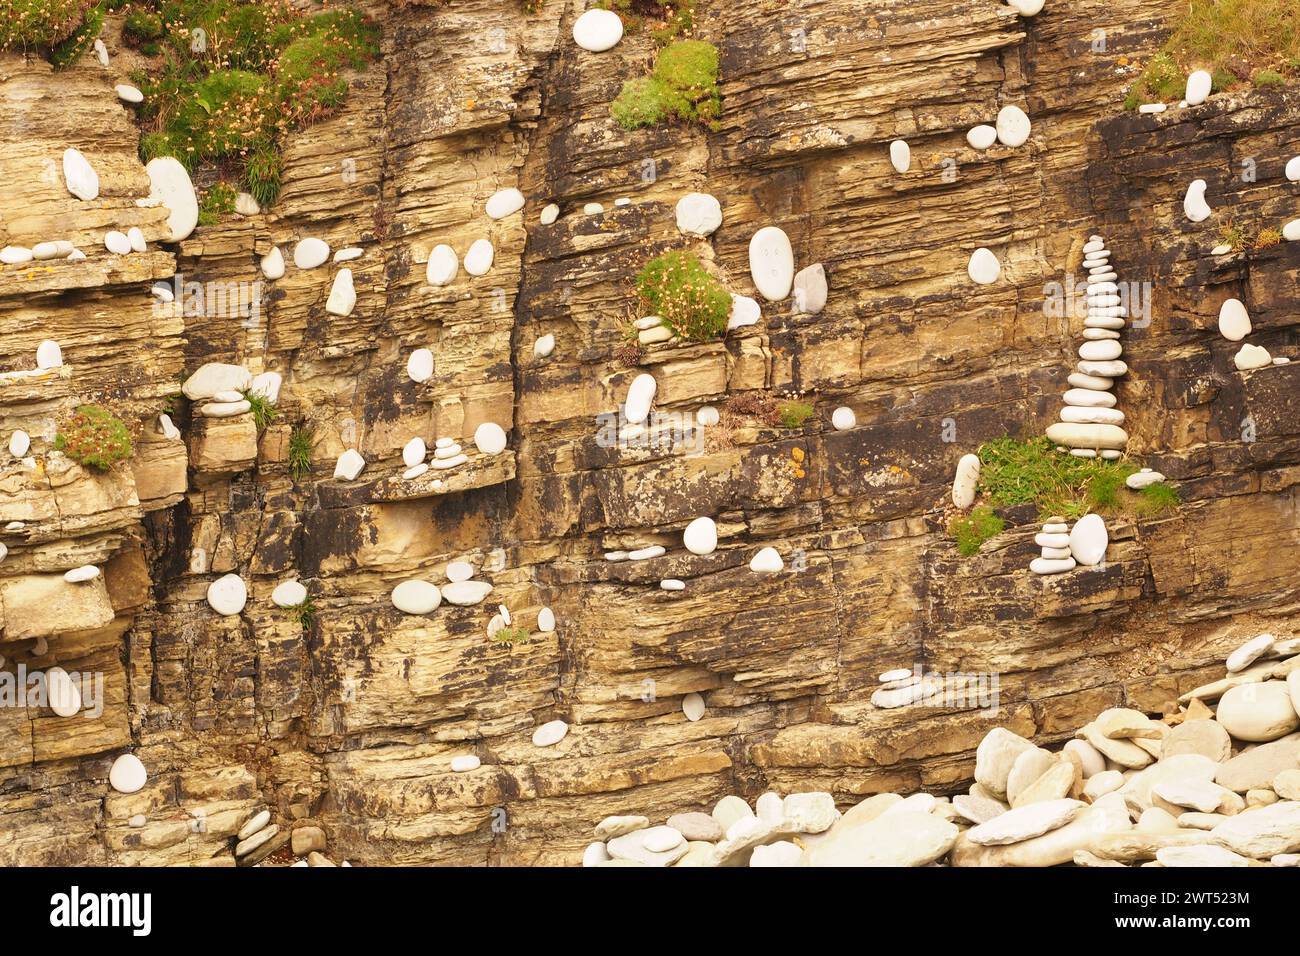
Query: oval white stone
[598, 30]
[479, 258]
[771, 263]
[701, 536]
[1087, 436]
[707, 416]
[1194, 205]
[672, 584]
[1026, 8]
[549, 214]
[504, 202]
[19, 442]
[273, 263]
[62, 693]
[544, 345]
[1258, 712]
[984, 266]
[1088, 540]
[1199, 84]
[117, 242]
[965, 480]
[490, 438]
[1101, 350]
[981, 137]
[698, 214]
[227, 595]
[419, 366]
[79, 176]
[49, 355]
[442, 265]
[1291, 231]
[414, 451]
[416, 597]
[1074, 413]
[170, 185]
[900, 155]
[289, 594]
[693, 707]
[87, 572]
[464, 763]
[466, 593]
[843, 418]
[1249, 652]
[127, 774]
[459, 571]
[550, 733]
[1012, 126]
[1234, 320]
[640, 395]
[310, 253]
[136, 238]
[767, 561]
[546, 620]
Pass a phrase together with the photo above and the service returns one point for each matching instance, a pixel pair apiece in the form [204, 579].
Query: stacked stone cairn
[1054, 540]
[1090, 422]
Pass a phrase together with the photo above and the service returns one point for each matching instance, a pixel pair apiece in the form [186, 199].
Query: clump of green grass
[1230, 38]
[511, 635]
[94, 437]
[28, 24]
[72, 49]
[305, 612]
[793, 412]
[1156, 499]
[666, 19]
[263, 410]
[302, 442]
[676, 287]
[683, 85]
[972, 530]
[217, 202]
[1016, 472]
[1269, 78]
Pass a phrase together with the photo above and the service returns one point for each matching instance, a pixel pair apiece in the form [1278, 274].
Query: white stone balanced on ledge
[1054, 541]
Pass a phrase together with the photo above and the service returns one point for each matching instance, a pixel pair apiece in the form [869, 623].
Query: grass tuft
[1016, 472]
[676, 287]
[793, 412]
[263, 410]
[218, 201]
[511, 635]
[972, 530]
[305, 612]
[1156, 499]
[302, 442]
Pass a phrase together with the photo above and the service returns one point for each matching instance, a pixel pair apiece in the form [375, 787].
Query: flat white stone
[62, 693]
[19, 442]
[227, 595]
[254, 824]
[79, 176]
[640, 396]
[1013, 126]
[1087, 436]
[693, 707]
[1025, 822]
[707, 416]
[1194, 205]
[767, 561]
[170, 186]
[1048, 539]
[981, 137]
[1101, 351]
[746, 311]
[622, 201]
[1291, 231]
[1097, 383]
[843, 418]
[1083, 452]
[658, 333]
[459, 571]
[1099, 335]
[1221, 250]
[549, 214]
[289, 594]
[466, 593]
[464, 763]
[87, 572]
[310, 253]
[595, 854]
[1141, 479]
[447, 451]
[1251, 356]
[1089, 398]
[1112, 369]
[698, 214]
[965, 481]
[900, 155]
[415, 471]
[212, 378]
[15, 255]
[1088, 540]
[1056, 554]
[490, 438]
[1248, 653]
[593, 209]
[1103, 322]
[1051, 565]
[349, 465]
[267, 385]
[598, 30]
[546, 620]
[771, 263]
[452, 462]
[419, 365]
[348, 254]
[416, 597]
[504, 202]
[479, 258]
[127, 774]
[550, 733]
[984, 267]
[225, 409]
[810, 289]
[273, 264]
[117, 242]
[1234, 320]
[1109, 416]
[701, 536]
[101, 54]
[1149, 108]
[1293, 169]
[1199, 84]
[645, 554]
[343, 295]
[58, 249]
[167, 428]
[544, 345]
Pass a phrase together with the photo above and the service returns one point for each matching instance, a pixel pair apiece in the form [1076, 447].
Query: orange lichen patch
[797, 453]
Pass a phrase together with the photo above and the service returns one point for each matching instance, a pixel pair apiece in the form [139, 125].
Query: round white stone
[479, 258]
[87, 572]
[504, 202]
[1012, 126]
[550, 733]
[1291, 231]
[544, 345]
[459, 571]
[442, 265]
[419, 366]
[900, 155]
[79, 176]
[1257, 712]
[273, 264]
[117, 242]
[597, 30]
[1234, 320]
[1088, 540]
[842, 419]
[62, 693]
[981, 137]
[767, 561]
[310, 253]
[546, 620]
[490, 438]
[416, 597]
[464, 763]
[170, 185]
[698, 214]
[771, 263]
[1199, 84]
[983, 267]
[661, 839]
[549, 214]
[289, 594]
[693, 707]
[1194, 205]
[640, 395]
[127, 774]
[227, 595]
[19, 442]
[414, 451]
[49, 355]
[707, 416]
[1251, 356]
[701, 536]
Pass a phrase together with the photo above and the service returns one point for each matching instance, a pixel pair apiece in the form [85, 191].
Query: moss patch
[972, 530]
[42, 24]
[793, 413]
[676, 287]
[94, 437]
[682, 86]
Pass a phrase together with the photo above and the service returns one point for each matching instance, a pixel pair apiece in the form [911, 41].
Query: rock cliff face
[350, 723]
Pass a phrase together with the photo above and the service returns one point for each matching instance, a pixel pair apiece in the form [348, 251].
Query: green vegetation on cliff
[683, 85]
[676, 287]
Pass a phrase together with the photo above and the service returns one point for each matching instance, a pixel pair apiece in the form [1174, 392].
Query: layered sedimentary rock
[351, 722]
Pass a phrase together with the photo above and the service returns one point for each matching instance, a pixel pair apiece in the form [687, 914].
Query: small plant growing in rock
[758, 406]
[1232, 235]
[794, 412]
[305, 612]
[683, 85]
[218, 201]
[511, 635]
[1156, 499]
[972, 530]
[263, 410]
[1266, 238]
[676, 287]
[72, 49]
[1267, 78]
[302, 441]
[94, 437]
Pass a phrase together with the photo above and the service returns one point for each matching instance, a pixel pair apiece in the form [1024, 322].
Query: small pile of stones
[1054, 540]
